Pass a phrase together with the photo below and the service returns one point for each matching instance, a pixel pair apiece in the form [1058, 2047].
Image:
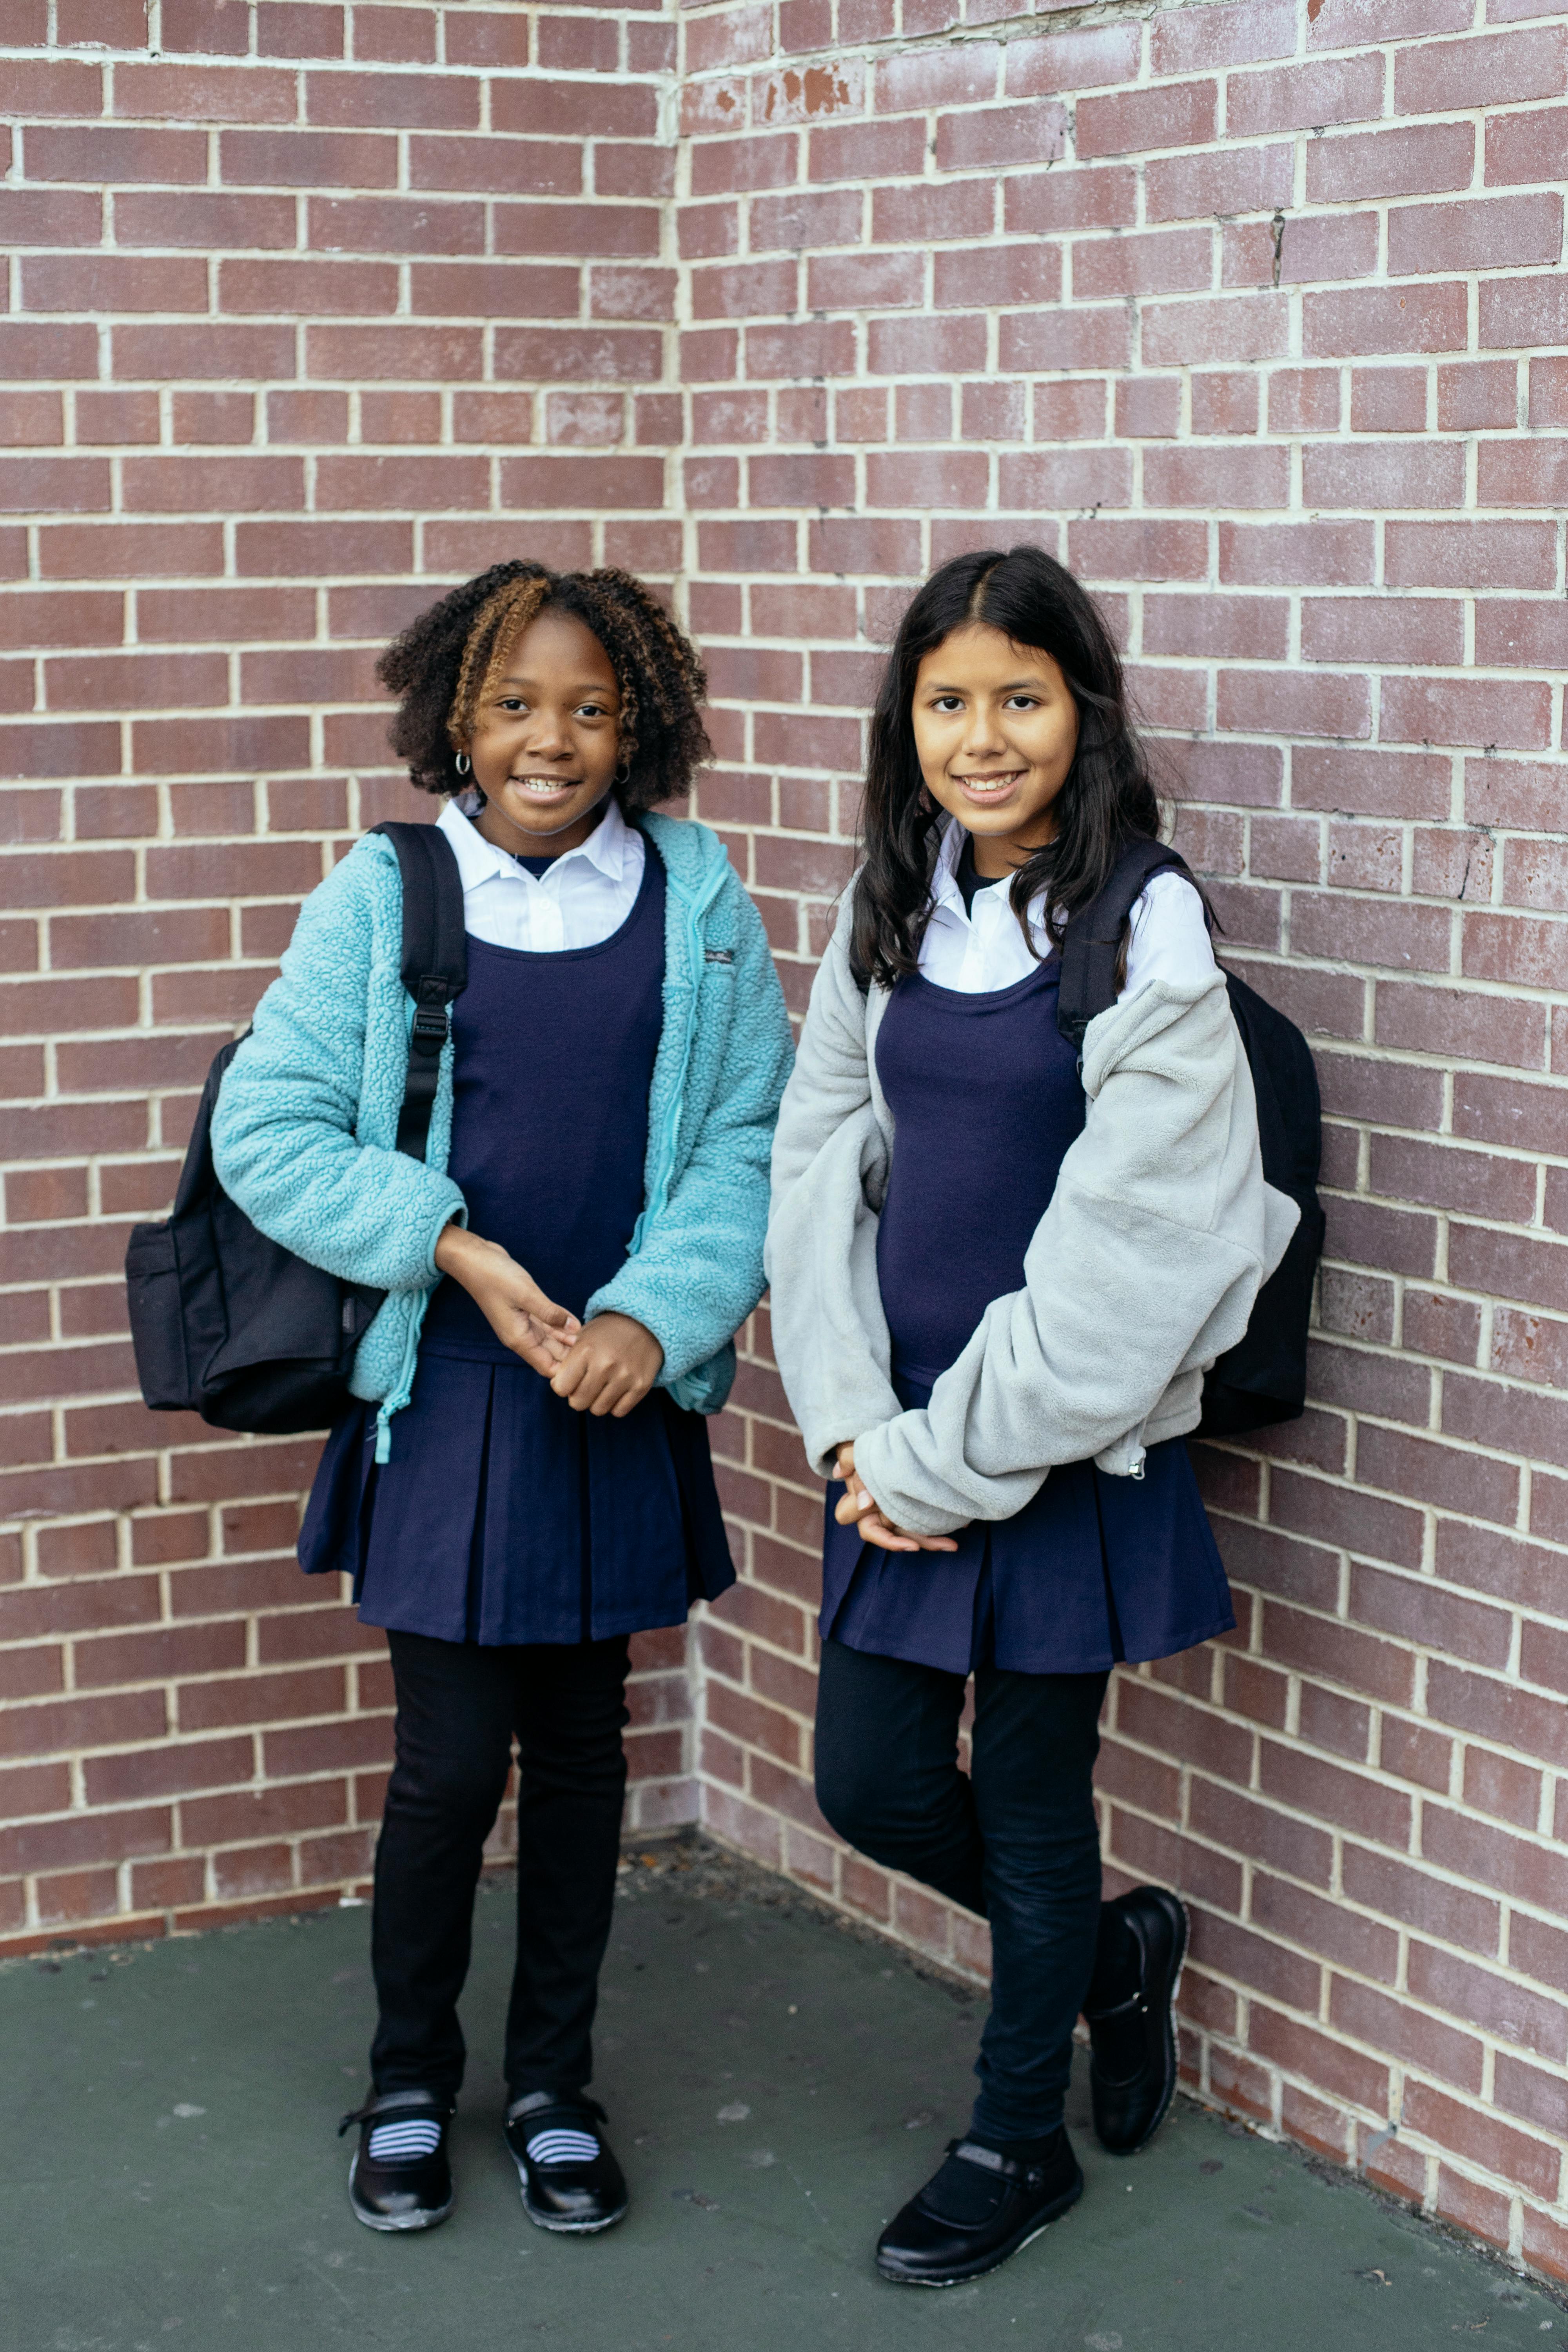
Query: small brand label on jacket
[719, 955]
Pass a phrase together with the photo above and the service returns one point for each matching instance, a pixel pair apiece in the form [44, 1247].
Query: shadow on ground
[777, 2085]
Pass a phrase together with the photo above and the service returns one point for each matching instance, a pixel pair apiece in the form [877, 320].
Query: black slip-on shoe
[979, 2207]
[407, 2183]
[571, 2180]
[1133, 2036]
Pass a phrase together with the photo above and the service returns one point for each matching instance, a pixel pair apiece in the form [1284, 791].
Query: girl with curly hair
[525, 1480]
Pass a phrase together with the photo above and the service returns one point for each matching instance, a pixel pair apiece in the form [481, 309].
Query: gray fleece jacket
[1141, 1272]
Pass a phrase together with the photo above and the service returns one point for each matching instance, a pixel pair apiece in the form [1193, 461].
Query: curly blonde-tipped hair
[500, 621]
[449, 660]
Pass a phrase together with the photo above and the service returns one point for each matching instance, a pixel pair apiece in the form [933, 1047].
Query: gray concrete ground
[777, 2086]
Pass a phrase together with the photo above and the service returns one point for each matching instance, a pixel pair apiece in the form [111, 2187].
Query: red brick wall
[1253, 311]
[311, 311]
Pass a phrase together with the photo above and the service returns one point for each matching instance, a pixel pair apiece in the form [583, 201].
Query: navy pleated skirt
[505, 1516]
[1096, 1569]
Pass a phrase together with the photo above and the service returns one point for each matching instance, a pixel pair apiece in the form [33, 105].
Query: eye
[512, 702]
[1024, 701]
[592, 711]
[948, 702]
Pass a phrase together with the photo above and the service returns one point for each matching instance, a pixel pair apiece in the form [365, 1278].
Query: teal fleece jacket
[304, 1137]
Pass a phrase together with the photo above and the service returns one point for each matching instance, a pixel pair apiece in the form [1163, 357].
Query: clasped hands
[603, 1366]
[858, 1507]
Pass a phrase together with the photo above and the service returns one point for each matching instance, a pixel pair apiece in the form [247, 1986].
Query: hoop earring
[463, 764]
[622, 774]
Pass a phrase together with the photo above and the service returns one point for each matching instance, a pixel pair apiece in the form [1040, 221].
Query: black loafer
[976, 2211]
[571, 2180]
[1132, 2034]
[408, 2186]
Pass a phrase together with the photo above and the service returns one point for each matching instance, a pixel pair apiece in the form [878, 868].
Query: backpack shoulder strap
[434, 965]
[1093, 937]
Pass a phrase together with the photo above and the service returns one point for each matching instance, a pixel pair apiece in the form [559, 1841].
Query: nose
[981, 736]
[547, 737]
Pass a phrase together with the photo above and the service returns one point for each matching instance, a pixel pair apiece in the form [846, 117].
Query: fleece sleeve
[1145, 1263]
[698, 1271]
[285, 1137]
[829, 1165]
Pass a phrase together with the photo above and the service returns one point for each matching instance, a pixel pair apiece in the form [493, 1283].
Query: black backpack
[1263, 1378]
[232, 1325]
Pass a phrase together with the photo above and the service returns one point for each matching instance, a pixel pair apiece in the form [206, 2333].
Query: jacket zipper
[659, 1192]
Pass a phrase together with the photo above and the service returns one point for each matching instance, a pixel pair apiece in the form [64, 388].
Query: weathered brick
[1413, 1752]
[1382, 1883]
[1501, 1785]
[1391, 2024]
[1416, 159]
[1514, 948]
[1176, 114]
[1436, 77]
[1514, 716]
[1275, 555]
[1377, 318]
[1470, 2133]
[1496, 232]
[1435, 1325]
[1233, 328]
[1033, 132]
[1222, 35]
[1477, 393]
[1291, 97]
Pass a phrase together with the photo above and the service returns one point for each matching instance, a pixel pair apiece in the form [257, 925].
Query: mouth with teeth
[984, 790]
[546, 788]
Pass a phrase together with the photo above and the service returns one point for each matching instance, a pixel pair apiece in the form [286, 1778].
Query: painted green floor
[777, 2085]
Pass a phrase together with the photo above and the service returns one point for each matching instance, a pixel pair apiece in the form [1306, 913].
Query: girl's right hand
[858, 1507]
[511, 1301]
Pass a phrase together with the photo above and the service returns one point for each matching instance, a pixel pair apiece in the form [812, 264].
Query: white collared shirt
[974, 953]
[582, 896]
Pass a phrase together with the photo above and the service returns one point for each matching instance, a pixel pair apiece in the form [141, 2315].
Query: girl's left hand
[611, 1367]
[858, 1507]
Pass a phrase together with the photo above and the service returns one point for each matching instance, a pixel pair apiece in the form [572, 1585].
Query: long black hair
[442, 666]
[1107, 800]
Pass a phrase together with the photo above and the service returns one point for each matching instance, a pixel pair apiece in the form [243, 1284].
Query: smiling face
[546, 738]
[995, 730]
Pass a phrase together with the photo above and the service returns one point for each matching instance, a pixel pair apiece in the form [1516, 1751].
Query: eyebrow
[593, 685]
[1012, 687]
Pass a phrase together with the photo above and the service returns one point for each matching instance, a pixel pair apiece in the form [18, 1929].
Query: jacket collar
[693, 856]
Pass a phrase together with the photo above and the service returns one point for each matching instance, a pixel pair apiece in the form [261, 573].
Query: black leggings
[458, 1705]
[1014, 1840]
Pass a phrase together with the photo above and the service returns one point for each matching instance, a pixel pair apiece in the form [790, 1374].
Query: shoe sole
[387, 2224]
[553, 2223]
[1172, 2050]
[574, 2228]
[993, 2261]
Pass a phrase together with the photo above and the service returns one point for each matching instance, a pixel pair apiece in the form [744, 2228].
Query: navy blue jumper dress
[503, 1515]
[986, 1099]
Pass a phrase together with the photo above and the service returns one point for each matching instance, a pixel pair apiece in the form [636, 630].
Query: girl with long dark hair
[999, 1269]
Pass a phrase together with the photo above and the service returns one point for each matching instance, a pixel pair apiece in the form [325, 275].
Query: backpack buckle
[431, 1023]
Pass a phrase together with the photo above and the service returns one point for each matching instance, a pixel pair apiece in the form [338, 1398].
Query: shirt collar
[480, 860]
[946, 896]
